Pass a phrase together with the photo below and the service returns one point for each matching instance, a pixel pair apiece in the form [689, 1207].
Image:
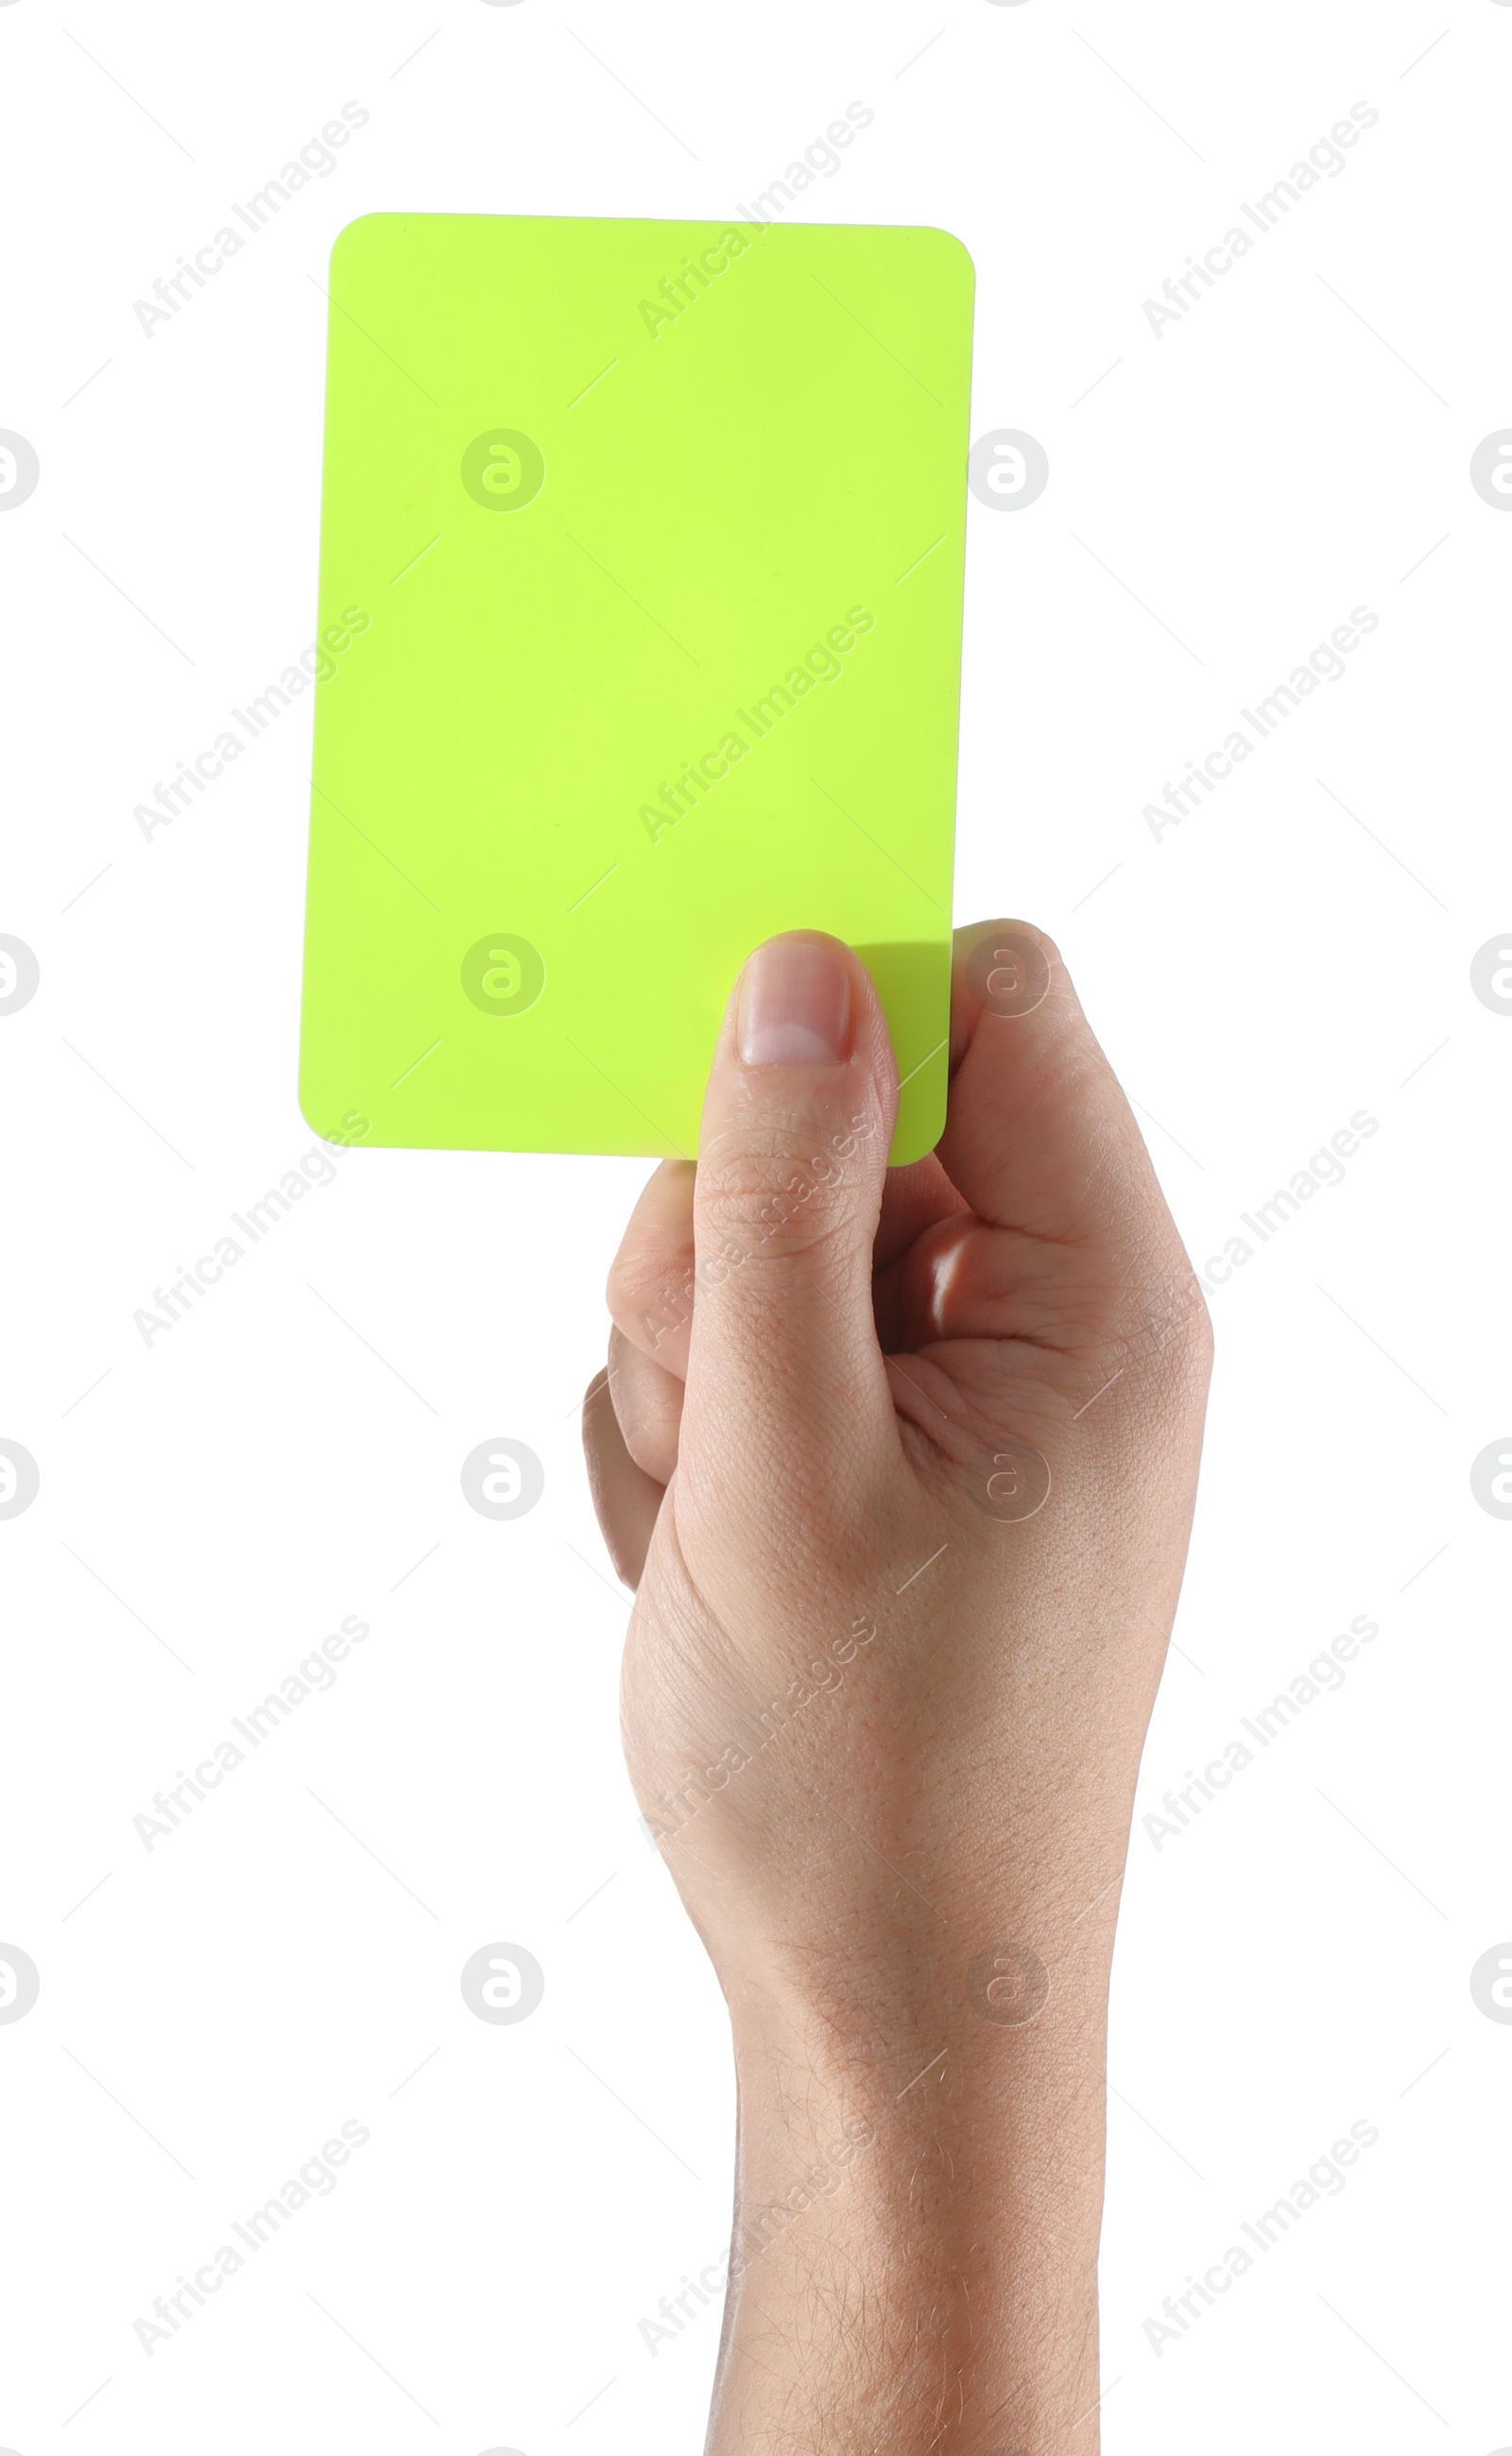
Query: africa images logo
[821, 663]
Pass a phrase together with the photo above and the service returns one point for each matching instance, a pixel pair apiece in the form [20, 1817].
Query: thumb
[785, 1369]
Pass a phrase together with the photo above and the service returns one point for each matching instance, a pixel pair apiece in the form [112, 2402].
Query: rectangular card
[641, 576]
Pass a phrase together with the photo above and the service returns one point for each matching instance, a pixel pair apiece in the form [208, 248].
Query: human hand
[902, 1465]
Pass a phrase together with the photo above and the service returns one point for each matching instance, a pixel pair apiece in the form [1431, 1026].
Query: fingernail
[795, 1006]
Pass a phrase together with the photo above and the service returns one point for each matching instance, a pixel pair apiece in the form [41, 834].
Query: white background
[1220, 498]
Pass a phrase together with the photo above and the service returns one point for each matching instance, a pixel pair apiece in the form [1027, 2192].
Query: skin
[907, 1876]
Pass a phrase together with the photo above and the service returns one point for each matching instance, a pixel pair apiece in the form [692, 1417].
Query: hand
[902, 1463]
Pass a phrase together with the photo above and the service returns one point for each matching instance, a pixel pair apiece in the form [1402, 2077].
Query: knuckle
[1007, 927]
[781, 1188]
[649, 1295]
[1009, 968]
[652, 1442]
[1043, 940]
[648, 1406]
[1149, 1363]
[1169, 1340]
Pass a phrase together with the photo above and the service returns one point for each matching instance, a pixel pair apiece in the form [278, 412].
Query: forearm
[913, 2265]
[934, 1450]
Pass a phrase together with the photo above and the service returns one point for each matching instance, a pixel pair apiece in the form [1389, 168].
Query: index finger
[1040, 1135]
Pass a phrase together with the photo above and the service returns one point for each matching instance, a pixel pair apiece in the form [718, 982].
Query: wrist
[917, 2208]
[866, 1972]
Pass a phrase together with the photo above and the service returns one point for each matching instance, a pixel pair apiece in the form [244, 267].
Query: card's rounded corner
[904, 1154]
[349, 1130]
[955, 244]
[345, 238]
[914, 1139]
